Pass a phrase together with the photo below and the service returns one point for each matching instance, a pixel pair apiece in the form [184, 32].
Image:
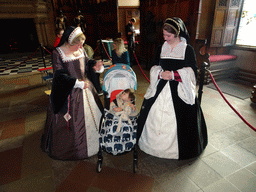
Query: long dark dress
[170, 126]
[77, 138]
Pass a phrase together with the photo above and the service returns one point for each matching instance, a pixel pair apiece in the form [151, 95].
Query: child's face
[125, 96]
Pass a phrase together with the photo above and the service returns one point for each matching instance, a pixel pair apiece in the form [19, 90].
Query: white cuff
[160, 74]
[79, 84]
[172, 75]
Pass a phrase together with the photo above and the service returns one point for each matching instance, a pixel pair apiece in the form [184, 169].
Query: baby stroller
[118, 78]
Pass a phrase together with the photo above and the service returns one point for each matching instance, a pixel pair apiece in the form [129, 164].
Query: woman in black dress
[171, 123]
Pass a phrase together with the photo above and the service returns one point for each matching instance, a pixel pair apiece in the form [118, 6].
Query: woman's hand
[98, 66]
[86, 84]
[166, 75]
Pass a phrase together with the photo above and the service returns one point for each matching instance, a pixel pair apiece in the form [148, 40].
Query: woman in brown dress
[75, 110]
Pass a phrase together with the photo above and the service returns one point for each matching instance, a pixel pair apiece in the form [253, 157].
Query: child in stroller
[123, 107]
[118, 135]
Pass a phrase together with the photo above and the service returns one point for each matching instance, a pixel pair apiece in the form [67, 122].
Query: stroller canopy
[119, 76]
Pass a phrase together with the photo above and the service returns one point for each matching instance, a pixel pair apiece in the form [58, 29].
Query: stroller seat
[118, 78]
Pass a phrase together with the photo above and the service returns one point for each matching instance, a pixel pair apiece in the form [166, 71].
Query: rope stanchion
[246, 122]
[140, 67]
[29, 57]
[46, 50]
[106, 51]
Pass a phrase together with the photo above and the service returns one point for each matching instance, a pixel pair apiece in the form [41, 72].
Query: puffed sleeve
[56, 61]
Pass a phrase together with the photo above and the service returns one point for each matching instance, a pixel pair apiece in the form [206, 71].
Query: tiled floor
[24, 63]
[228, 163]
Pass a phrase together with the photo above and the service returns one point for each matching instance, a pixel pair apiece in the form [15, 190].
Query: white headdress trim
[74, 34]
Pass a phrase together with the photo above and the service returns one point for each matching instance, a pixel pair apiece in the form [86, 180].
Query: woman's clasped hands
[167, 75]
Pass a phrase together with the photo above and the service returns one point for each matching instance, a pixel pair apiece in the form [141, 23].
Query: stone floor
[228, 163]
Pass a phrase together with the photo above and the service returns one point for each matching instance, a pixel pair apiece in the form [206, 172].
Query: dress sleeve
[187, 89]
[62, 86]
[188, 74]
[154, 80]
[57, 63]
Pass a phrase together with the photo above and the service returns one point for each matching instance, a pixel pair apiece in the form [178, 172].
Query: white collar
[177, 52]
[68, 59]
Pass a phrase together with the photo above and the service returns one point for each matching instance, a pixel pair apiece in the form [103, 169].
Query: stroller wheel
[99, 166]
[135, 165]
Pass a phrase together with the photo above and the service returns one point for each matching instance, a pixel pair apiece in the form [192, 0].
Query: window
[247, 26]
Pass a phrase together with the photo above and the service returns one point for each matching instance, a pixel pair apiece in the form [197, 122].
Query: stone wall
[38, 10]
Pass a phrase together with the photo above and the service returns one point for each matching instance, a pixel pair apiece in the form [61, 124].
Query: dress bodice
[171, 64]
[76, 66]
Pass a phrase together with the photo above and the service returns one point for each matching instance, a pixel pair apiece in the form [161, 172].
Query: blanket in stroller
[115, 142]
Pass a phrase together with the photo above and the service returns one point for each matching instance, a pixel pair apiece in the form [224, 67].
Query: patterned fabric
[115, 142]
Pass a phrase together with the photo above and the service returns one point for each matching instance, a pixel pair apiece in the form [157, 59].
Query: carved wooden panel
[225, 22]
[216, 37]
[229, 37]
[232, 18]
[222, 3]
[235, 3]
[220, 18]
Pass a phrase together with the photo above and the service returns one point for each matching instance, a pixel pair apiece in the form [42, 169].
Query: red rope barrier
[106, 51]
[140, 67]
[47, 50]
[96, 48]
[214, 82]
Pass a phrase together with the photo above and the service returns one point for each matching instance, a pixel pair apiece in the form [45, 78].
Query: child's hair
[131, 94]
[119, 42]
[58, 30]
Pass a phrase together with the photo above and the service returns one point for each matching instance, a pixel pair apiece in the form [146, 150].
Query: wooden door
[225, 24]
